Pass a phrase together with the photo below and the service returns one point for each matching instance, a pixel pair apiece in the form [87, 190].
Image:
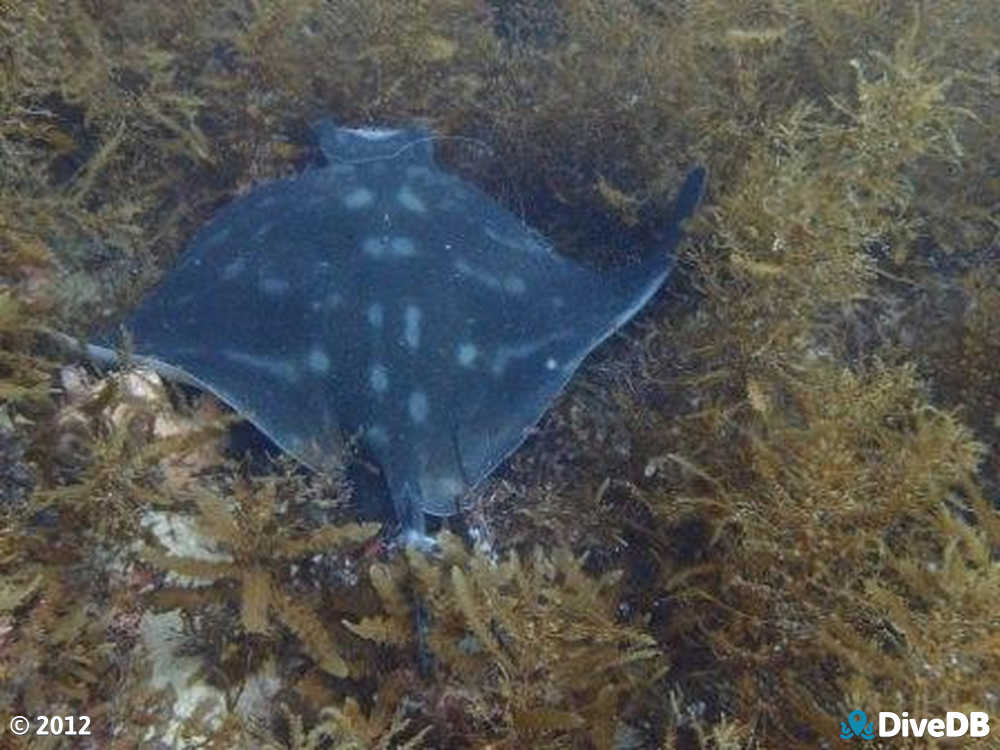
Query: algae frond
[792, 459]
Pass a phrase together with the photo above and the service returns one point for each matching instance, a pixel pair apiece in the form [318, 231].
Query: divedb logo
[954, 724]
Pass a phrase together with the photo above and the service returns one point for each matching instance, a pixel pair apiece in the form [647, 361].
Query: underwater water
[713, 478]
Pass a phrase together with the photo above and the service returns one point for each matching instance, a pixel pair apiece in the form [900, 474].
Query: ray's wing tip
[686, 202]
[690, 194]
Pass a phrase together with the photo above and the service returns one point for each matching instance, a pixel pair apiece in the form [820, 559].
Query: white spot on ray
[410, 200]
[400, 247]
[411, 326]
[477, 274]
[505, 354]
[358, 198]
[418, 407]
[551, 364]
[318, 361]
[514, 284]
[378, 378]
[526, 241]
[377, 435]
[273, 287]
[274, 367]
[466, 354]
[265, 229]
[403, 247]
[373, 247]
[234, 269]
[375, 315]
[329, 303]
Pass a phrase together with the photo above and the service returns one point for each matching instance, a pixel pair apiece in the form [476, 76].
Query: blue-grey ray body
[383, 297]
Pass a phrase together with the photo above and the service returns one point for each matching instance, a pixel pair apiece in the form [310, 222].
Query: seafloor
[770, 501]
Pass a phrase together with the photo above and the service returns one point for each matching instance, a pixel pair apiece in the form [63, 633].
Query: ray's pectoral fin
[531, 351]
[688, 197]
